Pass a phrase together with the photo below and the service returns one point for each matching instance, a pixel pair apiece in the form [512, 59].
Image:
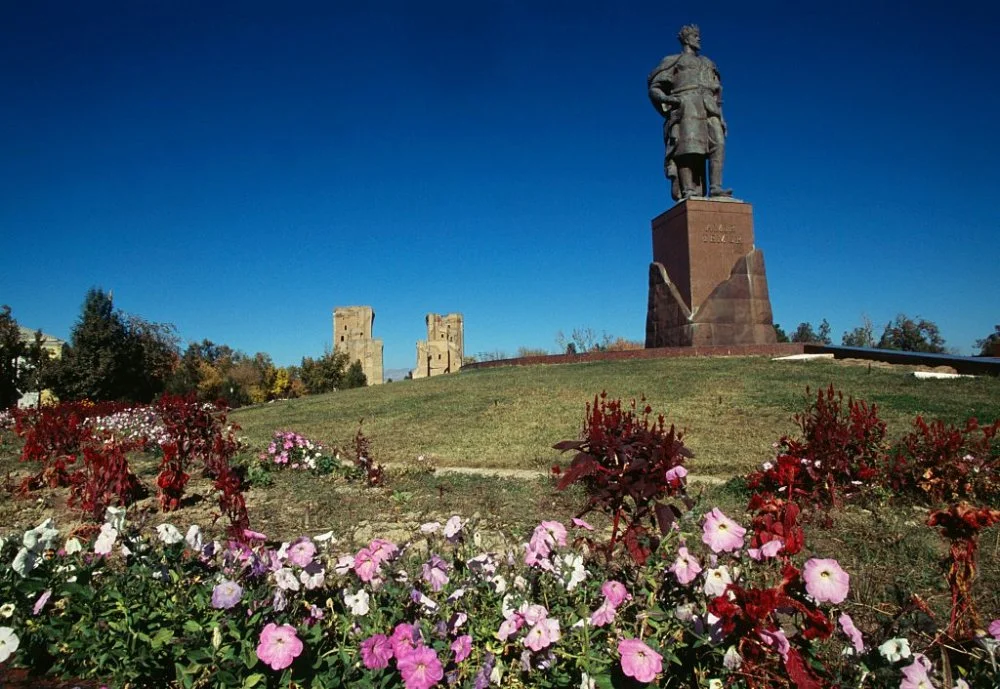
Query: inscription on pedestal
[721, 234]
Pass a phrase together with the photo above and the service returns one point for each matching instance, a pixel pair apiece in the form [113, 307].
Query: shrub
[629, 463]
[937, 463]
[840, 449]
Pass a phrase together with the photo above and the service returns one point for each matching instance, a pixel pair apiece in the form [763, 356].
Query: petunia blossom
[420, 668]
[462, 647]
[717, 580]
[895, 650]
[852, 632]
[8, 643]
[358, 603]
[722, 534]
[915, 674]
[639, 661]
[40, 603]
[365, 565]
[685, 567]
[768, 550]
[404, 639]
[543, 634]
[825, 580]
[605, 614]
[169, 534]
[995, 629]
[615, 592]
[226, 594]
[301, 553]
[581, 524]
[278, 646]
[376, 652]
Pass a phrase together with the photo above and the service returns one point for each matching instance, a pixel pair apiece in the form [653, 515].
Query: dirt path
[529, 474]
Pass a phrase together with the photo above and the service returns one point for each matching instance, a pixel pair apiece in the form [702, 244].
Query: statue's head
[690, 35]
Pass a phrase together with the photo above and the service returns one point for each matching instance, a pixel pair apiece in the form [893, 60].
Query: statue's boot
[719, 191]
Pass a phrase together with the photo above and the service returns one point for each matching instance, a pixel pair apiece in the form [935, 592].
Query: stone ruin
[352, 333]
[442, 351]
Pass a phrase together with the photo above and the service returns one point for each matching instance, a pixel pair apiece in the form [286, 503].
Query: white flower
[24, 561]
[732, 659]
[572, 565]
[520, 583]
[358, 602]
[312, 580]
[194, 538]
[73, 546]
[169, 534]
[6, 610]
[344, 564]
[115, 516]
[715, 684]
[324, 537]
[42, 537]
[716, 580]
[895, 650]
[106, 539]
[452, 527]
[8, 643]
[286, 580]
[430, 527]
[587, 682]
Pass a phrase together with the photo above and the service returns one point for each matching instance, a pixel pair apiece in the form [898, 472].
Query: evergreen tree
[11, 351]
[355, 377]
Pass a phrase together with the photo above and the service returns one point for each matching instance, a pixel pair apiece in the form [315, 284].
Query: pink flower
[509, 627]
[554, 531]
[685, 567]
[769, 549]
[543, 634]
[603, 615]
[615, 593]
[778, 639]
[278, 646]
[404, 639]
[435, 573]
[915, 674]
[376, 652]
[675, 475]
[639, 661]
[365, 565]
[852, 632]
[302, 552]
[722, 534]
[825, 580]
[579, 523]
[40, 603]
[254, 535]
[420, 668]
[382, 550]
[995, 629]
[462, 647]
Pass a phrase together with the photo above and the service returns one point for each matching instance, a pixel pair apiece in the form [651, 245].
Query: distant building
[54, 346]
[352, 333]
[442, 351]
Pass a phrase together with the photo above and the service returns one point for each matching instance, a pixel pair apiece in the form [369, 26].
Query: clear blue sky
[240, 168]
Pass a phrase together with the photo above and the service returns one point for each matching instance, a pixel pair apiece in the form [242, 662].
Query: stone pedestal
[707, 284]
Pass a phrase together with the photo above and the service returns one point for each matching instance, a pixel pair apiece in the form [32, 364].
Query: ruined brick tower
[352, 333]
[442, 351]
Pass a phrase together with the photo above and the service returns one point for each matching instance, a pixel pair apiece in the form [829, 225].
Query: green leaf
[192, 626]
[253, 680]
[161, 637]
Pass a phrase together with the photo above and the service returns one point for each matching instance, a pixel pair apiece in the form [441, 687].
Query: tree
[12, 349]
[990, 345]
[805, 333]
[324, 374]
[861, 336]
[355, 377]
[115, 356]
[780, 334]
[908, 335]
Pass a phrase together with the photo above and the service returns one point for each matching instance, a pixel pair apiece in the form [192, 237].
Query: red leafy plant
[840, 449]
[775, 519]
[373, 472]
[937, 463]
[961, 524]
[629, 463]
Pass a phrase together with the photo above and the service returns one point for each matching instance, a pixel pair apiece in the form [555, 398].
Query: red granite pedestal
[707, 284]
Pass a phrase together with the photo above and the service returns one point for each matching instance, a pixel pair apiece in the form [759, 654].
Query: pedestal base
[707, 283]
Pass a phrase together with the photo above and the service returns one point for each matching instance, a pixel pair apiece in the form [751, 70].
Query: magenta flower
[420, 668]
[580, 524]
[639, 661]
[852, 632]
[302, 552]
[825, 580]
[278, 646]
[365, 565]
[615, 592]
[995, 629]
[376, 652]
[382, 550]
[675, 474]
[462, 647]
[722, 534]
[603, 615]
[685, 567]
[405, 638]
[226, 594]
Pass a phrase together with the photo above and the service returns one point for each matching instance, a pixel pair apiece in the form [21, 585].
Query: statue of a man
[686, 90]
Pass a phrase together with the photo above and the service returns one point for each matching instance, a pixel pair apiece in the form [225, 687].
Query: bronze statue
[687, 92]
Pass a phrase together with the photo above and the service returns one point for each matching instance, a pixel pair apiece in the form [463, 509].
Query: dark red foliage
[961, 524]
[623, 459]
[840, 450]
[105, 479]
[775, 519]
[749, 618]
[937, 463]
[374, 472]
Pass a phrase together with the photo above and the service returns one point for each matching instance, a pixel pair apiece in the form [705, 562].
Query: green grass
[732, 409]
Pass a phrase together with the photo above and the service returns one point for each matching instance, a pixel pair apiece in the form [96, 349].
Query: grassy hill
[732, 409]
